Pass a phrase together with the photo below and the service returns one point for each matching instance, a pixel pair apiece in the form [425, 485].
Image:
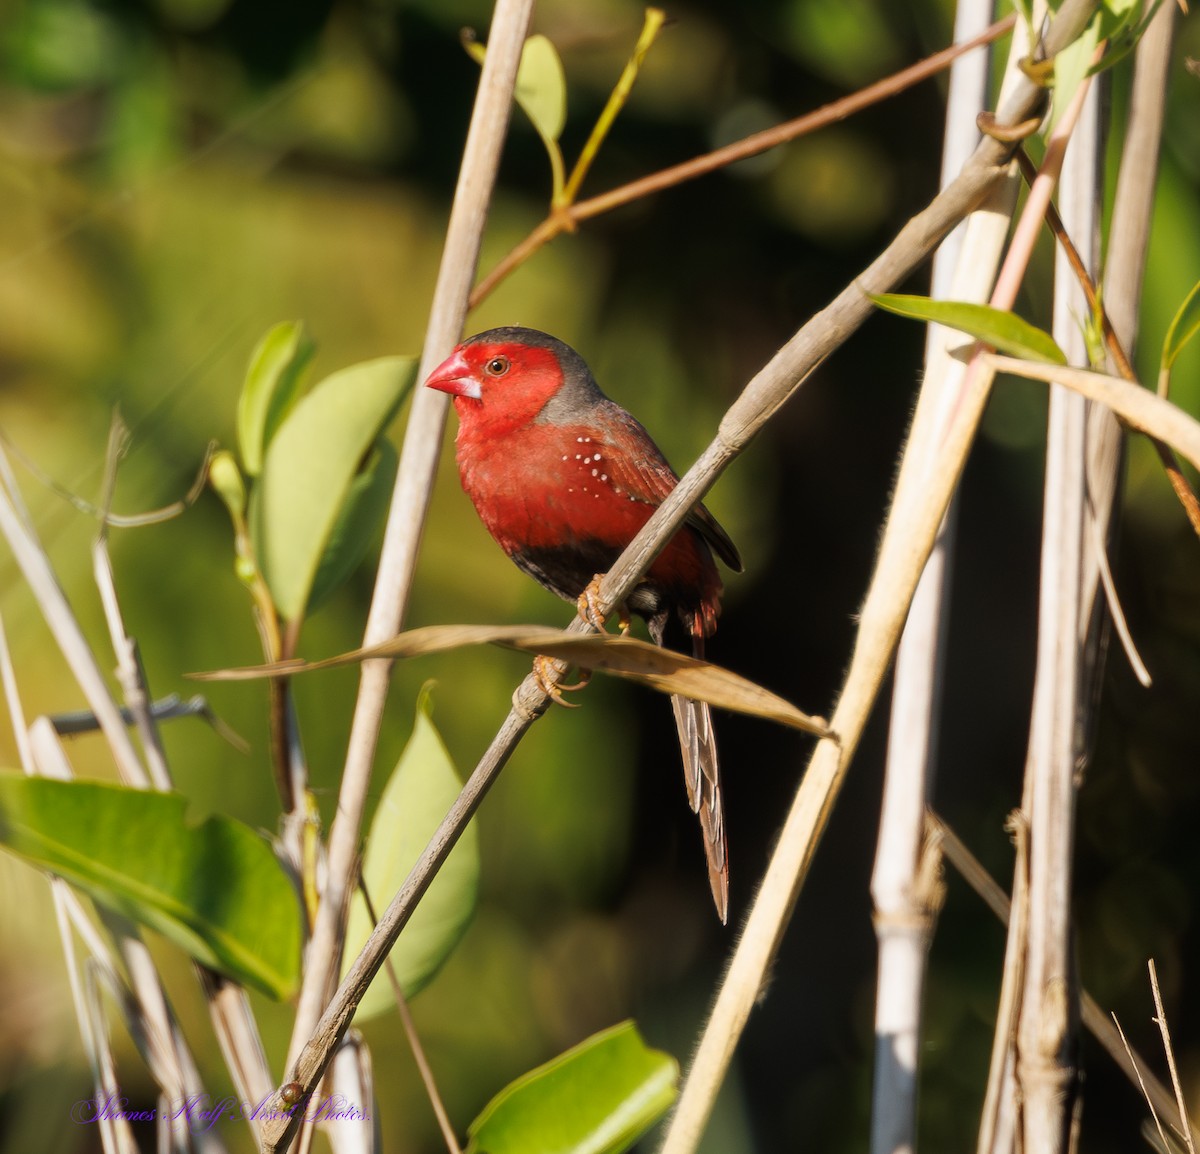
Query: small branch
[1162, 1134]
[652, 25]
[1169, 1050]
[1130, 1063]
[414, 1040]
[568, 218]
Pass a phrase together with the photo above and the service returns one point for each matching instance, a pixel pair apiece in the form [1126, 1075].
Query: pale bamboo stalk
[907, 540]
[1046, 1035]
[36, 569]
[905, 884]
[229, 1008]
[410, 500]
[116, 1134]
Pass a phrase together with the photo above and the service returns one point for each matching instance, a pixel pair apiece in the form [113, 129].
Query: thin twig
[568, 218]
[1094, 1018]
[1141, 1082]
[414, 1041]
[1169, 1050]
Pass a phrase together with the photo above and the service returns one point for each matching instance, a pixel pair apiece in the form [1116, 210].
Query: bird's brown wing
[638, 468]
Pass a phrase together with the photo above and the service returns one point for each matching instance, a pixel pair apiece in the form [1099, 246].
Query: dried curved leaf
[660, 669]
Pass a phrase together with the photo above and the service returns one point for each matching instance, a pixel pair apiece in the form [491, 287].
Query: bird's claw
[588, 604]
[547, 670]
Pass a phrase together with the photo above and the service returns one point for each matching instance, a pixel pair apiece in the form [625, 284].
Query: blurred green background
[177, 175]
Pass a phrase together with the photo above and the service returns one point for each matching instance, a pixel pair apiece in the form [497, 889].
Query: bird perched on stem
[564, 478]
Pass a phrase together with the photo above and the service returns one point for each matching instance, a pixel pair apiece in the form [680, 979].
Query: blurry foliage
[178, 175]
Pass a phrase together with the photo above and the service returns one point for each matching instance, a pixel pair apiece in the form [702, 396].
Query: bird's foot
[547, 671]
[589, 607]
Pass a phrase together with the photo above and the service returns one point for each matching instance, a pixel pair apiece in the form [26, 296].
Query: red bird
[564, 479]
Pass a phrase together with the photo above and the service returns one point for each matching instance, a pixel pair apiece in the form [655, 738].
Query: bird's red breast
[563, 478]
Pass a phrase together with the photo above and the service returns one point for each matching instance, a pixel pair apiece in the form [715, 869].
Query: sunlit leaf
[597, 1098]
[1004, 331]
[310, 468]
[1184, 325]
[662, 669]
[541, 91]
[271, 387]
[214, 888]
[541, 88]
[421, 789]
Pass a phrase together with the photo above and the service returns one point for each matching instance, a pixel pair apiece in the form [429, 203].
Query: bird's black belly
[567, 572]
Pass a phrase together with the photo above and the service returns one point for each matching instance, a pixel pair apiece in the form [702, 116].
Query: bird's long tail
[702, 777]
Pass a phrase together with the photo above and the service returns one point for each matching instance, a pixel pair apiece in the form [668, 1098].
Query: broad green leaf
[1184, 325]
[421, 789]
[271, 387]
[310, 468]
[214, 888]
[662, 669]
[597, 1098]
[1004, 331]
[363, 512]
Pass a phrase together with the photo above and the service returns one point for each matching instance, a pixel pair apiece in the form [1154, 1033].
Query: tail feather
[702, 778]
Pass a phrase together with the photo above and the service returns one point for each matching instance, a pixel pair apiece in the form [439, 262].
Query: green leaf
[422, 788]
[310, 469]
[214, 888]
[597, 1098]
[1004, 331]
[1184, 325]
[363, 512]
[541, 88]
[1071, 65]
[541, 91]
[270, 390]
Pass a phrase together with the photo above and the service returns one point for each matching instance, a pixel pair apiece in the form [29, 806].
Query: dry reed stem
[1128, 1060]
[904, 908]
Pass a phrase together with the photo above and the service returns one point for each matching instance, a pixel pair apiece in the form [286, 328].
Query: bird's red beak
[454, 375]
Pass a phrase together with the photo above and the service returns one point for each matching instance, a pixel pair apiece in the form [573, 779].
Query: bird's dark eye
[497, 366]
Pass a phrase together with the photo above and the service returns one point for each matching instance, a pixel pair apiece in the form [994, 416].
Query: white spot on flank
[603, 476]
[577, 456]
[597, 456]
[587, 460]
[595, 472]
[564, 456]
[579, 439]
